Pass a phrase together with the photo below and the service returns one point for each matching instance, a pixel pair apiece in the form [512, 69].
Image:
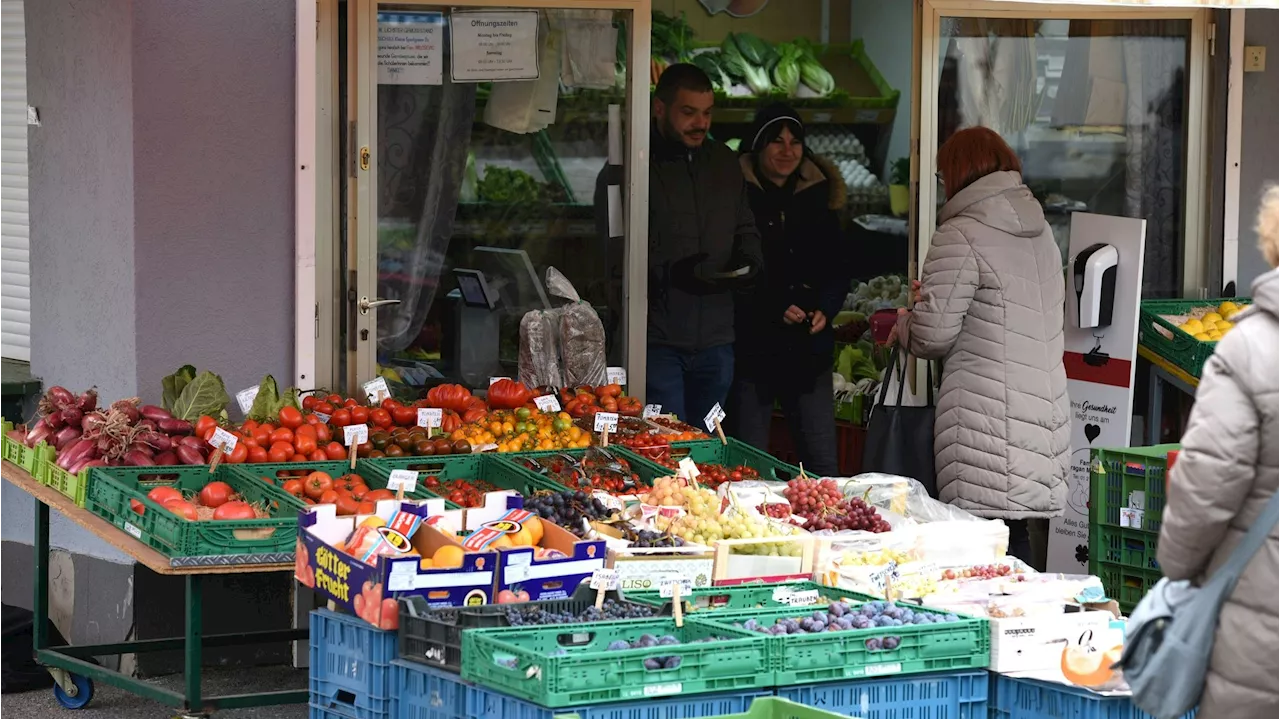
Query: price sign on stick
[688, 469]
[430, 417]
[377, 390]
[402, 480]
[713, 420]
[245, 398]
[606, 422]
[602, 580]
[615, 375]
[547, 403]
[354, 435]
[675, 588]
[225, 443]
[652, 410]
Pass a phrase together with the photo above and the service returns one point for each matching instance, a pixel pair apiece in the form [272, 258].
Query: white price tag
[1131, 518]
[322, 417]
[547, 403]
[688, 469]
[377, 390]
[245, 398]
[652, 410]
[803, 599]
[615, 375]
[667, 588]
[430, 417]
[133, 530]
[402, 575]
[1137, 500]
[715, 415]
[606, 421]
[224, 439]
[354, 434]
[495, 379]
[405, 479]
[884, 574]
[605, 579]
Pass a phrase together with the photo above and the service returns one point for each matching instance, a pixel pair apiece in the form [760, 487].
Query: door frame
[320, 226]
[925, 143]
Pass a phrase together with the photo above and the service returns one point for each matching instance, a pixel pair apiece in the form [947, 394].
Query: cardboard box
[734, 566]
[1021, 644]
[348, 581]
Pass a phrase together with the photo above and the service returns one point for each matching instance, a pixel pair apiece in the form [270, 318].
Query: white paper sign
[1131, 518]
[884, 574]
[1137, 499]
[492, 380]
[430, 417]
[605, 579]
[494, 45]
[615, 375]
[245, 398]
[667, 587]
[377, 390]
[354, 434]
[652, 410]
[410, 48]
[687, 468]
[715, 415]
[606, 421]
[224, 439]
[803, 599]
[401, 578]
[322, 417]
[405, 479]
[547, 403]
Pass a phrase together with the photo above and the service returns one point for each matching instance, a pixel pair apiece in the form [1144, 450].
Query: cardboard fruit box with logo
[537, 560]
[364, 563]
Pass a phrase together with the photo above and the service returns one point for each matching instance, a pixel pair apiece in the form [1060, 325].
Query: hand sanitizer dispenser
[1094, 269]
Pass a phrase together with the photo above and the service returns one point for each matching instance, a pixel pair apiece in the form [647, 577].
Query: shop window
[1095, 109]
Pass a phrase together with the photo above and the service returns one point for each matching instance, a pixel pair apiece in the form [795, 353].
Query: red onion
[93, 422]
[189, 455]
[87, 463]
[60, 396]
[72, 416]
[75, 452]
[166, 457]
[143, 448]
[64, 437]
[175, 426]
[88, 401]
[146, 424]
[135, 458]
[39, 433]
[191, 441]
[54, 420]
[154, 440]
[154, 413]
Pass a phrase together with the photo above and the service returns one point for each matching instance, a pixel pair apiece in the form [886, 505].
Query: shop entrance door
[481, 142]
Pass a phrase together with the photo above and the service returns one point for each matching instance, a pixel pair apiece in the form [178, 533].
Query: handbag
[1171, 631]
[900, 438]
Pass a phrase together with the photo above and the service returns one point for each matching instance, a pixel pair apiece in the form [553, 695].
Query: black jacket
[805, 264]
[697, 206]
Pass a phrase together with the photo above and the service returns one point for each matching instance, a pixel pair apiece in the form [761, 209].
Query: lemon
[1224, 325]
[1228, 308]
[1214, 336]
[1192, 326]
[1210, 317]
[1202, 336]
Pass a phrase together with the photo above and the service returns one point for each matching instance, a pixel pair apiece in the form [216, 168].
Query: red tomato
[290, 417]
[309, 402]
[312, 420]
[328, 497]
[163, 495]
[306, 430]
[347, 504]
[268, 426]
[404, 416]
[323, 433]
[324, 408]
[300, 458]
[257, 455]
[284, 434]
[262, 436]
[216, 494]
[235, 510]
[317, 483]
[293, 486]
[249, 425]
[377, 494]
[280, 452]
[390, 404]
[238, 455]
[182, 508]
[335, 451]
[318, 455]
[350, 402]
[205, 424]
[334, 399]
[381, 418]
[340, 418]
[359, 415]
[367, 508]
[304, 444]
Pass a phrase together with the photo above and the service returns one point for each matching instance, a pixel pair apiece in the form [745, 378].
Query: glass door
[489, 146]
[1105, 113]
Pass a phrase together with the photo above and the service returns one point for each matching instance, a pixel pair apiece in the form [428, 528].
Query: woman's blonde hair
[1268, 225]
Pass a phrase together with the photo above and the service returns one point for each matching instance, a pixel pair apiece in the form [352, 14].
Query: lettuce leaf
[268, 402]
[174, 384]
[204, 394]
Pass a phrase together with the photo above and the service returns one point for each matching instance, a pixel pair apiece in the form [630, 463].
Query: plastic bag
[539, 350]
[905, 496]
[581, 334]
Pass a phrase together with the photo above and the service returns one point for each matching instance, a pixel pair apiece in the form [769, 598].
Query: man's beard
[670, 132]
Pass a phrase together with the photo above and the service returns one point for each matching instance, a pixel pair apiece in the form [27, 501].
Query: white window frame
[925, 145]
[16, 320]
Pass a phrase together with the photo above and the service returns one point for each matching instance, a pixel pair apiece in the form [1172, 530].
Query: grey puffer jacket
[992, 304]
[1224, 475]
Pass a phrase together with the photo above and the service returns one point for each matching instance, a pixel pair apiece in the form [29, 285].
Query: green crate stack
[115, 491]
[733, 454]
[832, 656]
[47, 472]
[489, 468]
[30, 459]
[553, 668]
[733, 600]
[1165, 339]
[647, 470]
[1124, 557]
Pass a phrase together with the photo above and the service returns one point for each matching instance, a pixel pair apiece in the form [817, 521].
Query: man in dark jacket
[703, 246]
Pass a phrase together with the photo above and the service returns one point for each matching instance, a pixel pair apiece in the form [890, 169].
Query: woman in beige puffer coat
[991, 307]
[1223, 476]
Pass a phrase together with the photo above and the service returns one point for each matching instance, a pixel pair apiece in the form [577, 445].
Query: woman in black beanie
[784, 341]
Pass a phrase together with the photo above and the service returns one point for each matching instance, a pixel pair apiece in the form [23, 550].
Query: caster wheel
[83, 693]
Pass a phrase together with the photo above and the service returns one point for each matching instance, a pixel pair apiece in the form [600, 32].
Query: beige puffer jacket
[992, 309]
[1224, 475]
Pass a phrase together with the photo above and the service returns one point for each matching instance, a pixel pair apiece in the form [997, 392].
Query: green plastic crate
[745, 598]
[1131, 548]
[526, 662]
[28, 458]
[11, 449]
[1126, 585]
[779, 708]
[733, 454]
[832, 656]
[280, 472]
[1124, 475]
[185, 542]
[489, 468]
[1165, 339]
[47, 472]
[647, 470]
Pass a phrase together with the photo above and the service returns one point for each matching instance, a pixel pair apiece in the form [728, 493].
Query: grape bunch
[820, 502]
[840, 616]
[987, 571]
[649, 539]
[570, 509]
[648, 641]
[777, 510]
[532, 614]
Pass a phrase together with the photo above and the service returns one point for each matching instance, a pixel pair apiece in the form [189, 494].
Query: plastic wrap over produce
[539, 350]
[582, 345]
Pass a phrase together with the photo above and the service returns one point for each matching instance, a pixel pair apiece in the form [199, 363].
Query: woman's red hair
[971, 154]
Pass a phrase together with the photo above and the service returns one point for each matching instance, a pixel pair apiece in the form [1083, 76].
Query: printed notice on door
[494, 45]
[409, 48]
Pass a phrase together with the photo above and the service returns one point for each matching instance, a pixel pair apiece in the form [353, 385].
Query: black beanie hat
[768, 123]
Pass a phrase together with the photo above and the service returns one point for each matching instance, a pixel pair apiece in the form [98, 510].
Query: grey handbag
[1171, 631]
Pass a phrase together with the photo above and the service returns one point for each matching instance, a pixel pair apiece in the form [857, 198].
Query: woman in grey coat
[990, 305]
[1223, 476]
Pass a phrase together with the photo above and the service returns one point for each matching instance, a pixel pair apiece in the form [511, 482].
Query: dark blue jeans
[688, 383]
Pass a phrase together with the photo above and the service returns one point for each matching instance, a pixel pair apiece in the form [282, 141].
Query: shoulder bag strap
[1249, 545]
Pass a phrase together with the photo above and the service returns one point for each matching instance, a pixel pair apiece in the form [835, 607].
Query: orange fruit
[447, 556]
[533, 525]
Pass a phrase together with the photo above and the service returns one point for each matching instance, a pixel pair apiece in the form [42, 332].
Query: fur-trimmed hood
[813, 170]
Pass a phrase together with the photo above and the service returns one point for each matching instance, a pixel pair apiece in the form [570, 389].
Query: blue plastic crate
[953, 695]
[350, 673]
[419, 692]
[1030, 699]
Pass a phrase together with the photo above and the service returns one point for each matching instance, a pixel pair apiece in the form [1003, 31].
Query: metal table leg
[1155, 404]
[191, 669]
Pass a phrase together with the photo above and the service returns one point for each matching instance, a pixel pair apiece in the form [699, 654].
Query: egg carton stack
[842, 147]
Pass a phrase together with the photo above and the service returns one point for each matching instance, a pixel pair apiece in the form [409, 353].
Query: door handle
[367, 304]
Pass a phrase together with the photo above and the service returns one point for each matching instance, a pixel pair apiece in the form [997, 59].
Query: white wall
[886, 31]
